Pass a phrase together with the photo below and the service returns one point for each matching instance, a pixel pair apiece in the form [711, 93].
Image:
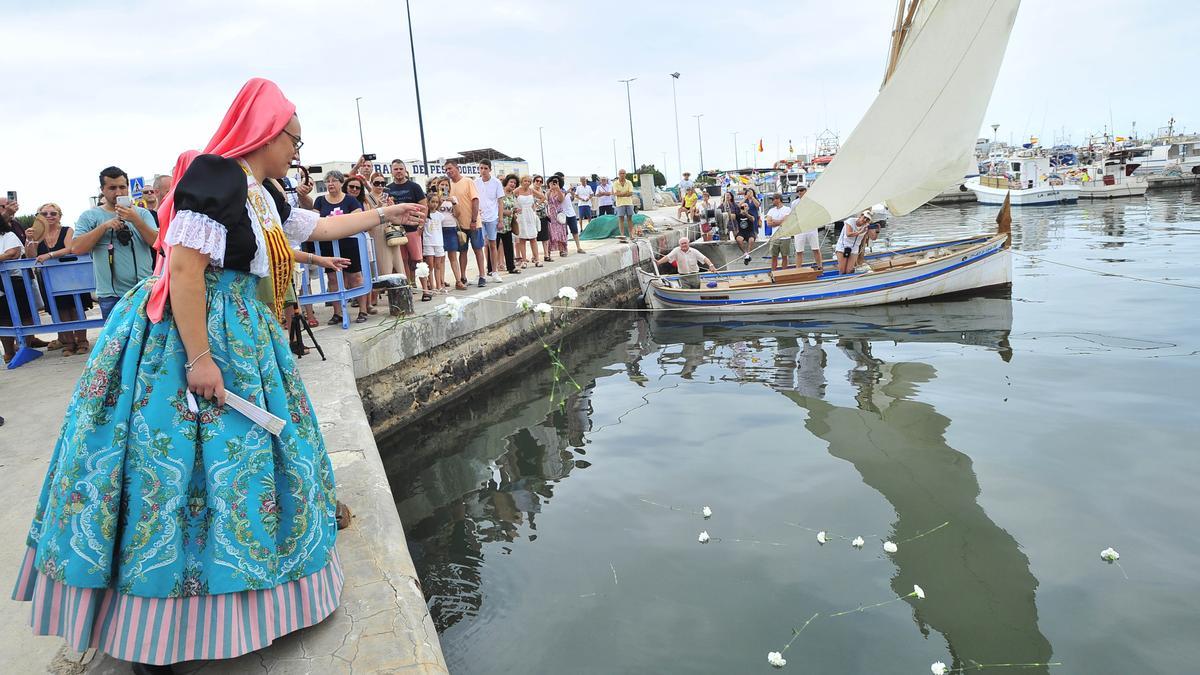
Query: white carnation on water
[919, 592]
[858, 542]
[543, 308]
[1110, 555]
[776, 659]
[703, 538]
[821, 538]
[524, 303]
[568, 293]
[938, 668]
[889, 547]
[422, 270]
[706, 512]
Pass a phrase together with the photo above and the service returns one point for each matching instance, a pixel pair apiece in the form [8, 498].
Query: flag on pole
[791, 150]
[760, 149]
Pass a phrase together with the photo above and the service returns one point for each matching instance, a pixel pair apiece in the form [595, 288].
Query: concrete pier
[378, 376]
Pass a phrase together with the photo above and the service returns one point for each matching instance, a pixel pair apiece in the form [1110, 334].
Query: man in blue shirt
[118, 238]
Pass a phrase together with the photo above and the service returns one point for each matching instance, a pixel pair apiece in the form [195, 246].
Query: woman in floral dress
[172, 528]
[556, 212]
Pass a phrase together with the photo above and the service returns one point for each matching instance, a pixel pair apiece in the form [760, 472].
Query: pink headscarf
[258, 113]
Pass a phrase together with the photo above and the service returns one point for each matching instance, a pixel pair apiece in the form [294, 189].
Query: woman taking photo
[171, 528]
[335, 202]
[50, 241]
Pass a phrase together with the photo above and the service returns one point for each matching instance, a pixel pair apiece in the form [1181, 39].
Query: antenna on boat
[1004, 219]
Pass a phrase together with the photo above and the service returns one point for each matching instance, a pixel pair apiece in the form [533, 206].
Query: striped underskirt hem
[163, 631]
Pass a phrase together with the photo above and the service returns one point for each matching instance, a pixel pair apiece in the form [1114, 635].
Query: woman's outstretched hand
[331, 263]
[405, 214]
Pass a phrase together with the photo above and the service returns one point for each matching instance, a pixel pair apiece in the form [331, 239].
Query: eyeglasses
[295, 140]
[48, 214]
[378, 183]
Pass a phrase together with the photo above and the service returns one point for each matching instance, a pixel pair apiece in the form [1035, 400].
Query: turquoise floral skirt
[163, 535]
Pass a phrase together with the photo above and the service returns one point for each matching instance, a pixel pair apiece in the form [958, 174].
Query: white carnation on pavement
[543, 308]
[568, 293]
[422, 270]
[525, 303]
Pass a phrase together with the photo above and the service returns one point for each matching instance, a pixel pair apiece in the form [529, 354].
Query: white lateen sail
[920, 132]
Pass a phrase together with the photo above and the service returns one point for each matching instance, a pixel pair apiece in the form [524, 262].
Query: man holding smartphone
[118, 235]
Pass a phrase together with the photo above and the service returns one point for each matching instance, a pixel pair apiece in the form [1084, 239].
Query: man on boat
[781, 247]
[810, 240]
[687, 261]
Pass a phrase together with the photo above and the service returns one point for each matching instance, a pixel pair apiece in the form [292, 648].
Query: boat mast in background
[904, 18]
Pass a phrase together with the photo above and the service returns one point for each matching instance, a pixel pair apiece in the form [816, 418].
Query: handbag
[395, 235]
[562, 218]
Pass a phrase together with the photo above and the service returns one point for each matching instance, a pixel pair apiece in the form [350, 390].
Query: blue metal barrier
[343, 294]
[60, 276]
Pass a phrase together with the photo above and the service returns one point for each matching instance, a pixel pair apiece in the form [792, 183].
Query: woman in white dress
[528, 221]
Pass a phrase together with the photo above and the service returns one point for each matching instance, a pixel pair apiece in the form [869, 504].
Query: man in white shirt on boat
[687, 261]
[781, 247]
[810, 240]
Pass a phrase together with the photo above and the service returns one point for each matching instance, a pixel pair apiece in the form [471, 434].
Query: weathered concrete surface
[420, 364]
[382, 625]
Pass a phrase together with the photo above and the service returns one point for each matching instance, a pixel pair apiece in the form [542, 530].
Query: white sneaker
[495, 276]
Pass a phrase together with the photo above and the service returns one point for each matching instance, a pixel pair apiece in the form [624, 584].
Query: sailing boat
[944, 59]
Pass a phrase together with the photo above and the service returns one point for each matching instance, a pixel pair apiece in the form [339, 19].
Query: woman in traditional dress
[174, 529]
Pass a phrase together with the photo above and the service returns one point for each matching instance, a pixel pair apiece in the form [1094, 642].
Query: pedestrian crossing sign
[136, 185]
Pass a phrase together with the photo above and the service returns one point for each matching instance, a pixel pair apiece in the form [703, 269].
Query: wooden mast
[900, 31]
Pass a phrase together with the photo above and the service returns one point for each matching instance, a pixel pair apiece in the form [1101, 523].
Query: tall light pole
[420, 120]
[629, 104]
[678, 151]
[700, 138]
[361, 145]
[614, 157]
[542, 148]
[735, 152]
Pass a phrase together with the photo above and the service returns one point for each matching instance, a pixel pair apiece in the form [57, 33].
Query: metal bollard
[399, 293]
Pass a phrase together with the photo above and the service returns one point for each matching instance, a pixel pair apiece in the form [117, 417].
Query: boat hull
[1038, 196]
[981, 263]
[1134, 186]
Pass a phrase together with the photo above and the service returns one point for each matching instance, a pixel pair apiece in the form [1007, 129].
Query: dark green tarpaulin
[605, 227]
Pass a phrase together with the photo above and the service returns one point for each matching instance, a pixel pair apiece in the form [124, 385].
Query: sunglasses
[48, 214]
[378, 183]
[353, 187]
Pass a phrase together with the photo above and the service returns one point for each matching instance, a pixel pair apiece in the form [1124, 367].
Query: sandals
[460, 286]
[426, 296]
[546, 259]
[69, 350]
[361, 318]
[537, 264]
[54, 344]
[372, 310]
[334, 320]
[312, 322]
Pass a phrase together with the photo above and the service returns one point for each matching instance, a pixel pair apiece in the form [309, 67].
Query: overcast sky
[135, 83]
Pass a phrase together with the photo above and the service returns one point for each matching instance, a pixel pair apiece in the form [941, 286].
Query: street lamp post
[735, 152]
[700, 138]
[361, 145]
[614, 157]
[678, 151]
[542, 149]
[416, 86]
[629, 104]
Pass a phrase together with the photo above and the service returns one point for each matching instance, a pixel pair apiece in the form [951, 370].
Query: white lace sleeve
[300, 225]
[198, 231]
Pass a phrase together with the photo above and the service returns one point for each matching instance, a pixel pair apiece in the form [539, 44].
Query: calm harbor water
[1043, 427]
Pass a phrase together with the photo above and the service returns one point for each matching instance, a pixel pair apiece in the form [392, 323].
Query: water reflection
[981, 590]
